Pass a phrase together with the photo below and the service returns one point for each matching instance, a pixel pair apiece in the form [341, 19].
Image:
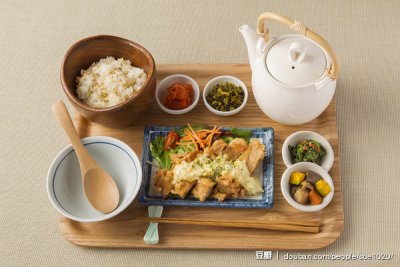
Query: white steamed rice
[109, 82]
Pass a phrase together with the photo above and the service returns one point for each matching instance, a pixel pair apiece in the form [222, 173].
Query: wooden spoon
[100, 189]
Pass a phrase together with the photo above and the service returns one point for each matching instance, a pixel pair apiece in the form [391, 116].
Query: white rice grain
[109, 82]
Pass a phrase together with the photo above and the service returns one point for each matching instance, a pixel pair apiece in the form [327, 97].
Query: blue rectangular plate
[265, 172]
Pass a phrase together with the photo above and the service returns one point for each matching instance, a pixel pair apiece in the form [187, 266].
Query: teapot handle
[262, 30]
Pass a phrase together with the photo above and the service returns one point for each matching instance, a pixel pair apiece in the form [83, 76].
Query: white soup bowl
[64, 181]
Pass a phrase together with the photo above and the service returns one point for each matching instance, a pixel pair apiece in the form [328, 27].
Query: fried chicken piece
[231, 188]
[239, 145]
[163, 181]
[235, 148]
[217, 147]
[253, 154]
[188, 156]
[178, 158]
[218, 195]
[183, 188]
[191, 156]
[231, 153]
[203, 188]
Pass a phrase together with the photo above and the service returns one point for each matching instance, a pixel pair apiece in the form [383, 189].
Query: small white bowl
[222, 79]
[162, 92]
[64, 182]
[304, 167]
[327, 159]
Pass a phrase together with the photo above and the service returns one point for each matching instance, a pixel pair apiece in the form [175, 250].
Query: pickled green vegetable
[225, 97]
[307, 151]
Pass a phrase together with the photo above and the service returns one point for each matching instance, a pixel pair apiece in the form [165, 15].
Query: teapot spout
[251, 37]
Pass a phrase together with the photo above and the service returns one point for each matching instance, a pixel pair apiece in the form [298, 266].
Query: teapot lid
[296, 61]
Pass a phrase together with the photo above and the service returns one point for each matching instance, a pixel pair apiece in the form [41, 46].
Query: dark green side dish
[225, 97]
[307, 151]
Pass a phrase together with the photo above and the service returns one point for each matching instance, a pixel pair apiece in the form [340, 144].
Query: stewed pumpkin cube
[323, 188]
[296, 178]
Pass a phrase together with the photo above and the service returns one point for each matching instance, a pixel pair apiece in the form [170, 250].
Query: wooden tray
[124, 231]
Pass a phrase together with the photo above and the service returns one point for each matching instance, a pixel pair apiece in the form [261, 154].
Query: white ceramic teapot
[294, 76]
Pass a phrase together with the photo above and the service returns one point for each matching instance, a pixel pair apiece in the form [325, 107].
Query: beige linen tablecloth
[34, 35]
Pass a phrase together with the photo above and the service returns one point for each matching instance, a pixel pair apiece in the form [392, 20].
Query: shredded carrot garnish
[185, 138]
[207, 141]
[201, 138]
[190, 127]
[196, 136]
[215, 131]
[201, 135]
[192, 138]
[209, 138]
